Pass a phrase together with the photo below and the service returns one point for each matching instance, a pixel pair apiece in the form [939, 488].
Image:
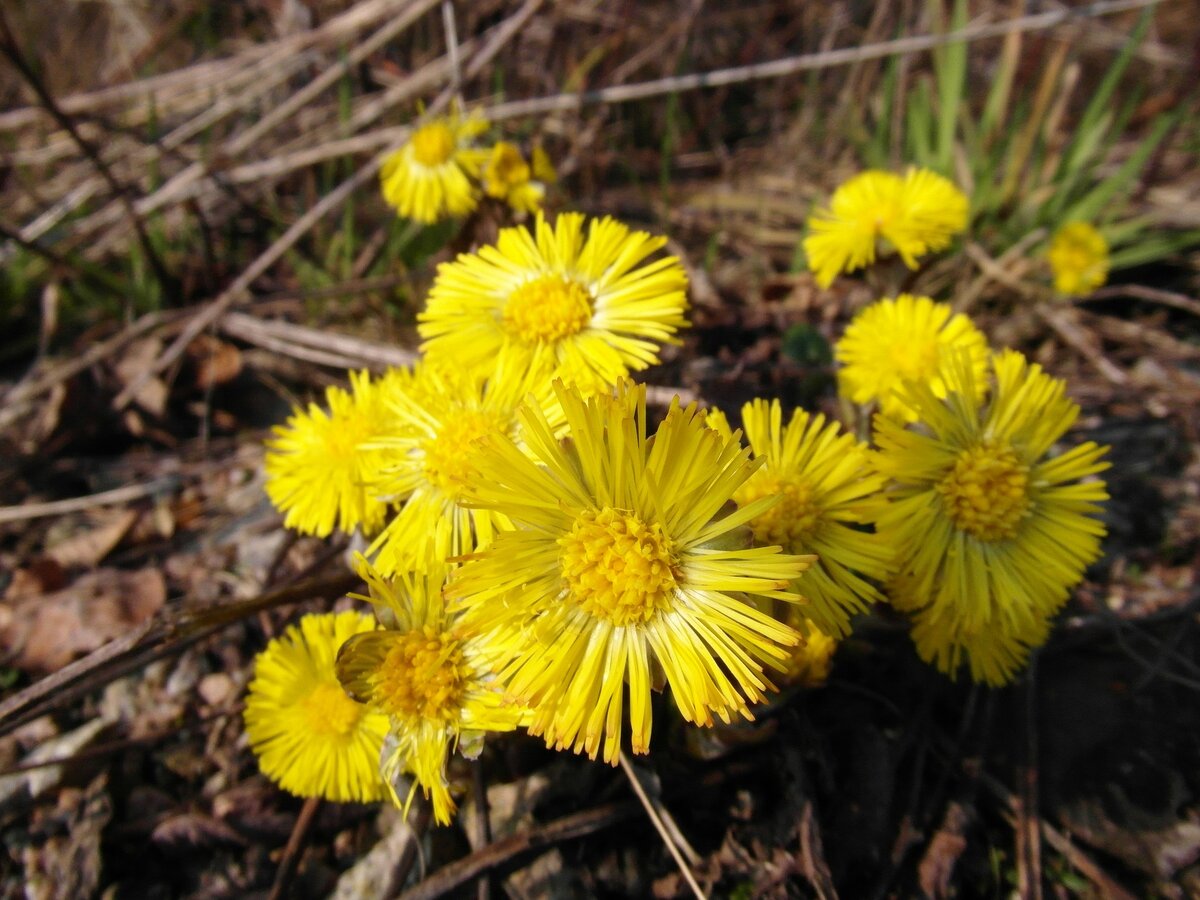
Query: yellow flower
[317, 472]
[1078, 256]
[430, 678]
[905, 339]
[434, 175]
[992, 532]
[829, 491]
[917, 214]
[508, 177]
[426, 462]
[624, 564]
[809, 665]
[590, 301]
[309, 736]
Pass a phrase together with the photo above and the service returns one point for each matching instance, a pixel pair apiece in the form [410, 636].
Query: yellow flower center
[448, 453]
[789, 522]
[328, 710]
[547, 309]
[433, 144]
[423, 674]
[617, 567]
[986, 494]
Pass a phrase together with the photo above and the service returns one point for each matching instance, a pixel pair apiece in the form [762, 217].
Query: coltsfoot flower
[992, 530]
[435, 175]
[913, 215]
[591, 301]
[1078, 257]
[425, 463]
[317, 470]
[508, 177]
[310, 737]
[625, 565]
[428, 676]
[905, 339]
[830, 493]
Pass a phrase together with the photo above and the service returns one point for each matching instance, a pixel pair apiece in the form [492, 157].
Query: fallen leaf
[937, 865]
[69, 865]
[141, 355]
[195, 829]
[216, 361]
[44, 633]
[90, 546]
[20, 787]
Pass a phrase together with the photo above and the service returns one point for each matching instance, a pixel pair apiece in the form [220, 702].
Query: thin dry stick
[1141, 292]
[262, 171]
[652, 812]
[282, 165]
[241, 284]
[245, 139]
[329, 203]
[28, 511]
[1067, 329]
[295, 844]
[458, 873]
[260, 75]
[204, 74]
[17, 58]
[451, 30]
[169, 631]
[360, 351]
[1028, 834]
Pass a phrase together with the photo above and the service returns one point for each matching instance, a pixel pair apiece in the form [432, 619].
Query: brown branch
[295, 845]
[458, 873]
[171, 631]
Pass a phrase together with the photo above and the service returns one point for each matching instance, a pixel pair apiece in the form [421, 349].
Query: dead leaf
[69, 865]
[44, 633]
[195, 829]
[20, 787]
[937, 865]
[90, 546]
[216, 361]
[141, 355]
[41, 576]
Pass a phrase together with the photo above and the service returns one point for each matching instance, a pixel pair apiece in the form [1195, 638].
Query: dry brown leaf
[68, 865]
[90, 546]
[141, 355]
[42, 633]
[217, 362]
[195, 829]
[937, 865]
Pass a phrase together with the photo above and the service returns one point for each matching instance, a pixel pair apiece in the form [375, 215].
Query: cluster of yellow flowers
[876, 213]
[541, 557]
[442, 172]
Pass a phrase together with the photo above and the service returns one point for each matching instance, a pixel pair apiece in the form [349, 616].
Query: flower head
[915, 214]
[905, 339]
[1078, 257]
[316, 469]
[624, 565]
[590, 301]
[433, 175]
[508, 177]
[429, 678]
[829, 494]
[426, 462]
[309, 736]
[991, 530]
[808, 665]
